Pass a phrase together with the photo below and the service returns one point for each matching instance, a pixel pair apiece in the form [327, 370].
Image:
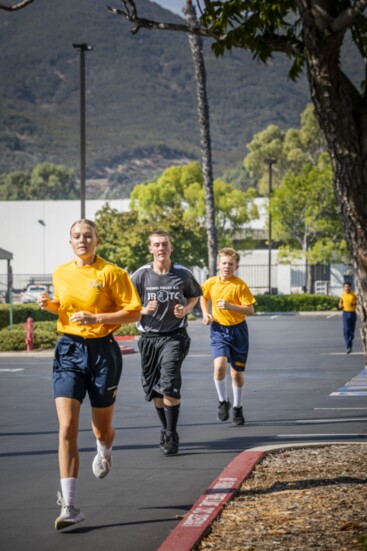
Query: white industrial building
[34, 239]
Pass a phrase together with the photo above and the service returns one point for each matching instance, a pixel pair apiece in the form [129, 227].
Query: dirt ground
[305, 499]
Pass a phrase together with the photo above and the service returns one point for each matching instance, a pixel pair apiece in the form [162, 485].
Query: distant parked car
[32, 293]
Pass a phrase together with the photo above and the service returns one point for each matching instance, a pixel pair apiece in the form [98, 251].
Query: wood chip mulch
[304, 499]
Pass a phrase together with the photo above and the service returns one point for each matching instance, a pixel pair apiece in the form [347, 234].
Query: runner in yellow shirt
[348, 302]
[231, 301]
[92, 299]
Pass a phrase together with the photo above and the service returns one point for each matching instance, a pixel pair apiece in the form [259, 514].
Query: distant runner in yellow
[348, 302]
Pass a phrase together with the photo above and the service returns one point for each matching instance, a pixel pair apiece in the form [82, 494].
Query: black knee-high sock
[172, 413]
[162, 417]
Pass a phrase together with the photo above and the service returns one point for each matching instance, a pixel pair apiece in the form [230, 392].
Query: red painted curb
[125, 338]
[196, 522]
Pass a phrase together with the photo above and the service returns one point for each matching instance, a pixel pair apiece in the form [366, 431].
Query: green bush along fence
[45, 334]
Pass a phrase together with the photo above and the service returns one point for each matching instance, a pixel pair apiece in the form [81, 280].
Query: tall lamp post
[82, 49]
[43, 224]
[270, 163]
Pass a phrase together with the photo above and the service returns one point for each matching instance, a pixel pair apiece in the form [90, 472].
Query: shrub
[296, 303]
[21, 312]
[45, 335]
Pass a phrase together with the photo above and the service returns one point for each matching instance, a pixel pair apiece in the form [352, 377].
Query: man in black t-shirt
[168, 293]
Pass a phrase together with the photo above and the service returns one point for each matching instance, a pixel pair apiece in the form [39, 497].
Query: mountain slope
[140, 101]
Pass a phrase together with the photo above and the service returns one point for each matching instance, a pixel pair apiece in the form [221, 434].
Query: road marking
[10, 370]
[323, 435]
[355, 387]
[336, 420]
[338, 409]
[341, 354]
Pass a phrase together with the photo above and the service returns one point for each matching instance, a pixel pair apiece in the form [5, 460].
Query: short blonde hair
[228, 251]
[88, 223]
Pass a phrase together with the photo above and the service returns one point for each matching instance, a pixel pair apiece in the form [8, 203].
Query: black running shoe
[162, 440]
[171, 445]
[223, 410]
[238, 418]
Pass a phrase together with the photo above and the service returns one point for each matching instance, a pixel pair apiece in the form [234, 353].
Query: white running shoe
[101, 465]
[69, 515]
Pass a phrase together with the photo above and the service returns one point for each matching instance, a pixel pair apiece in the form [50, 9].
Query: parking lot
[295, 365]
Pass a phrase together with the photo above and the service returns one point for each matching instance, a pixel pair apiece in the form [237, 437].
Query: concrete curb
[195, 524]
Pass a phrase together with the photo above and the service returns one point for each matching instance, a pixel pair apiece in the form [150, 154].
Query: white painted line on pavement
[337, 420]
[341, 354]
[338, 409]
[10, 370]
[323, 435]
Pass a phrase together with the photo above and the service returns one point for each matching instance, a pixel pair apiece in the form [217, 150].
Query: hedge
[45, 334]
[296, 303]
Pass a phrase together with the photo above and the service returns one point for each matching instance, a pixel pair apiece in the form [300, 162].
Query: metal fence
[255, 275]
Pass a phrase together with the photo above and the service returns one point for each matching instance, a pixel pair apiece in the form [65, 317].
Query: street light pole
[270, 163]
[43, 224]
[82, 49]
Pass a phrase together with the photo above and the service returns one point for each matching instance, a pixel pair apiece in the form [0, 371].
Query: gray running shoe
[223, 410]
[238, 418]
[101, 465]
[69, 515]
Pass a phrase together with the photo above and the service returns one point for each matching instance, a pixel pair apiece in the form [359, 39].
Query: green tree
[305, 217]
[53, 182]
[312, 34]
[45, 182]
[291, 149]
[267, 144]
[15, 186]
[174, 202]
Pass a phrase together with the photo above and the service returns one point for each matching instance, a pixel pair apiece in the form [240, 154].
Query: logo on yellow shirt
[96, 284]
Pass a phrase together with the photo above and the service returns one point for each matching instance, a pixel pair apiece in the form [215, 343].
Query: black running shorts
[161, 361]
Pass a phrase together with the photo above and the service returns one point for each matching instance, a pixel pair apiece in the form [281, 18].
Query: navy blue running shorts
[230, 341]
[90, 366]
[161, 361]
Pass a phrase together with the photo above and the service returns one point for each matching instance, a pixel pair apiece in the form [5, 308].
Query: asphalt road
[295, 363]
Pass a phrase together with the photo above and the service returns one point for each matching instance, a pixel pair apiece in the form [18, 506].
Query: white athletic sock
[68, 490]
[106, 452]
[221, 387]
[237, 396]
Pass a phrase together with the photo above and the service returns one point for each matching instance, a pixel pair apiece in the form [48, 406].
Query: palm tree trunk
[196, 46]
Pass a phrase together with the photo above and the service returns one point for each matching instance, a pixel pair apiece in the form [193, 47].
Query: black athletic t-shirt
[169, 289]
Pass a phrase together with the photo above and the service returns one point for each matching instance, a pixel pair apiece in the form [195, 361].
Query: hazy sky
[173, 5]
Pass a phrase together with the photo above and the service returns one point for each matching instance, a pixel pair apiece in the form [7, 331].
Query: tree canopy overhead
[312, 34]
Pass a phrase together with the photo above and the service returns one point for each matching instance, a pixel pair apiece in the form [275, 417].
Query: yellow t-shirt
[99, 288]
[234, 291]
[349, 301]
